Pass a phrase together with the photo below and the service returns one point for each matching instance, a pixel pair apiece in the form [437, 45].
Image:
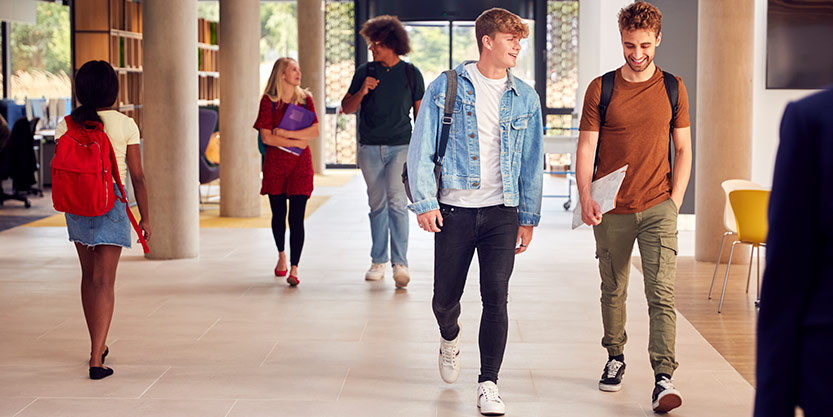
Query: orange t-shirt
[635, 133]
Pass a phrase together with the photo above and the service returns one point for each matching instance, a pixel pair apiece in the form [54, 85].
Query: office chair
[208, 121]
[18, 162]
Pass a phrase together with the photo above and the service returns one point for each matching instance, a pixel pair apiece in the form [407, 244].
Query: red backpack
[82, 167]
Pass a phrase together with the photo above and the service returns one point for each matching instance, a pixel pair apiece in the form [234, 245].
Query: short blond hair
[497, 20]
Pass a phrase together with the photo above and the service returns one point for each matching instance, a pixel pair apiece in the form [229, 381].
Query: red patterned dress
[284, 172]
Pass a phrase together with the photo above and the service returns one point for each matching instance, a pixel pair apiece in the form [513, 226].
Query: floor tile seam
[275, 345]
[52, 329]
[231, 408]
[154, 383]
[364, 329]
[159, 307]
[208, 329]
[343, 384]
[25, 407]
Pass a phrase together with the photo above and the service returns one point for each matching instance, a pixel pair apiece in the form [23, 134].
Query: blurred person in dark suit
[795, 325]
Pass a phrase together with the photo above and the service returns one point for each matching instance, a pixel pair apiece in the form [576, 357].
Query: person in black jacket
[795, 325]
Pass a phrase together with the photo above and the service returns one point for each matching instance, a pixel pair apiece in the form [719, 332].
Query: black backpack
[671, 88]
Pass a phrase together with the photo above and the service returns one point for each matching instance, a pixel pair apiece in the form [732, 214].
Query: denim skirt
[111, 228]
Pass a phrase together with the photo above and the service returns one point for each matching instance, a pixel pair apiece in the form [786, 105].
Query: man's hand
[428, 221]
[370, 83]
[524, 237]
[591, 213]
[678, 201]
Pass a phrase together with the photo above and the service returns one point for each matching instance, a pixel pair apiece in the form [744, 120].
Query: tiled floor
[218, 336]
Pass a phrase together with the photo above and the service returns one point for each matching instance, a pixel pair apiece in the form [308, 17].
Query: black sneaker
[665, 397]
[612, 376]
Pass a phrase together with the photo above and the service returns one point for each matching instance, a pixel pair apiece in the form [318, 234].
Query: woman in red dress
[286, 175]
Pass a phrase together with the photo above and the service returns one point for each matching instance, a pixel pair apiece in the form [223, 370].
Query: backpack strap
[605, 95]
[371, 69]
[672, 90]
[114, 166]
[410, 73]
[604, 101]
[448, 111]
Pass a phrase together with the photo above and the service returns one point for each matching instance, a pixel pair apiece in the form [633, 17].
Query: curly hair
[498, 20]
[389, 32]
[640, 15]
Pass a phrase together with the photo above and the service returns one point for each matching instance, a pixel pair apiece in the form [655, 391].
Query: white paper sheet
[604, 191]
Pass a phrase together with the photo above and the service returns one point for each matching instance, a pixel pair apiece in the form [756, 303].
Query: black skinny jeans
[493, 232]
[297, 209]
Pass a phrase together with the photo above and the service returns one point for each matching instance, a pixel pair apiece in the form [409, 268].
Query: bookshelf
[208, 73]
[111, 30]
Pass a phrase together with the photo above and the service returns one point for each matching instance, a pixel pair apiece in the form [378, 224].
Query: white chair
[729, 220]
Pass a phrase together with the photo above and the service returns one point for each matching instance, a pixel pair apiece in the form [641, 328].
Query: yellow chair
[729, 220]
[750, 208]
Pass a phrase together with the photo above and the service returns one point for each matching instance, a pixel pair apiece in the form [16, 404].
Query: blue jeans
[381, 167]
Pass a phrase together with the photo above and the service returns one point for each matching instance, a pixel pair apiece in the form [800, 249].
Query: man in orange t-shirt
[635, 131]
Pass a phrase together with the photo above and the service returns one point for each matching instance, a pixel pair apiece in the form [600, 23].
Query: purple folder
[295, 118]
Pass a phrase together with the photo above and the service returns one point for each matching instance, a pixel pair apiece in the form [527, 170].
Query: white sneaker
[450, 358]
[488, 400]
[401, 275]
[375, 273]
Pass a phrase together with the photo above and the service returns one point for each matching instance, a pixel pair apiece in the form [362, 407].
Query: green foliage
[278, 29]
[44, 45]
[209, 10]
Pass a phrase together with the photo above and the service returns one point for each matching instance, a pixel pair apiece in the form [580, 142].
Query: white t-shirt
[121, 130]
[488, 93]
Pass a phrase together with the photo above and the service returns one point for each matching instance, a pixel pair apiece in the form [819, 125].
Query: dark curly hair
[388, 31]
[640, 15]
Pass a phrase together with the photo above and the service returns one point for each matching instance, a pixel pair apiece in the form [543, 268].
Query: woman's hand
[145, 227]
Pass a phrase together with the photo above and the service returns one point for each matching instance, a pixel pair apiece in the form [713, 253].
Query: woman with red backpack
[98, 239]
[287, 167]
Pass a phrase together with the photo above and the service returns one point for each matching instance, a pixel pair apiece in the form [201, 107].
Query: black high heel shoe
[100, 372]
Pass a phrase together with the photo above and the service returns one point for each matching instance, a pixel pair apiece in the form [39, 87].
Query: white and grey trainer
[488, 399]
[450, 358]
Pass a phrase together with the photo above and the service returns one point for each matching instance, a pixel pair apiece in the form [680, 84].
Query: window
[340, 64]
[40, 64]
[561, 65]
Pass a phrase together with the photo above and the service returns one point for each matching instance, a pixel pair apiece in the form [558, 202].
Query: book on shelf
[295, 118]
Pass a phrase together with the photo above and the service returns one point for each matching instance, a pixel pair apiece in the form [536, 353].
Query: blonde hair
[274, 87]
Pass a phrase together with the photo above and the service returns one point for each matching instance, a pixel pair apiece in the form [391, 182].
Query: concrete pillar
[170, 127]
[239, 40]
[311, 61]
[724, 116]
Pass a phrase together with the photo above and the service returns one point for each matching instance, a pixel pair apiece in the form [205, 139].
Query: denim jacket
[521, 143]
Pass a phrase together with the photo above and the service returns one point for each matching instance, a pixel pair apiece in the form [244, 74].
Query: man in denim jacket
[489, 191]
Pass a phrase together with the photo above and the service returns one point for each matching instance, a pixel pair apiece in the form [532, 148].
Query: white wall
[768, 106]
[599, 47]
[20, 11]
